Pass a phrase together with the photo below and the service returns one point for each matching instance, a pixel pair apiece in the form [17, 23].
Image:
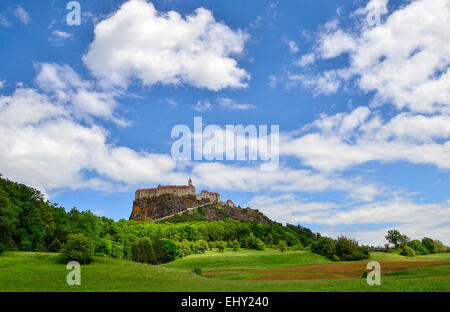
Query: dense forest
[29, 223]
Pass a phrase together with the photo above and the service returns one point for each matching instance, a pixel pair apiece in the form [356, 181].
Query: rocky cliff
[176, 209]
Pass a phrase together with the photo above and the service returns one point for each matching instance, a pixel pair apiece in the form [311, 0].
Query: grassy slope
[247, 259]
[21, 271]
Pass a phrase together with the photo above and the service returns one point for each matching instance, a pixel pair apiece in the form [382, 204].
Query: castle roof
[167, 187]
[212, 193]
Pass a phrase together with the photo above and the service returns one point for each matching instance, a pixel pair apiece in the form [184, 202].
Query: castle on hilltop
[180, 190]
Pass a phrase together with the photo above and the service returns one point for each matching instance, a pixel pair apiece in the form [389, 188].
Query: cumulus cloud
[64, 85]
[139, 43]
[343, 140]
[405, 62]
[306, 59]
[416, 220]
[44, 145]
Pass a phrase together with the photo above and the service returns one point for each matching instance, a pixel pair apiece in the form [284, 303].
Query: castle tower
[190, 182]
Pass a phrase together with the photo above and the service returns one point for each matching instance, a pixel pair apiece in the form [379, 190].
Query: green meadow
[31, 271]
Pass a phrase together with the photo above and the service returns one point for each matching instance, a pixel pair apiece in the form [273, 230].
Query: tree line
[30, 223]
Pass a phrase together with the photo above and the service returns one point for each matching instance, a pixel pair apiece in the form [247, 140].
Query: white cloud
[22, 15]
[306, 59]
[138, 42]
[272, 81]
[325, 83]
[344, 140]
[233, 105]
[45, 146]
[2, 83]
[202, 106]
[285, 179]
[413, 219]
[66, 86]
[405, 61]
[336, 43]
[4, 22]
[61, 34]
[293, 48]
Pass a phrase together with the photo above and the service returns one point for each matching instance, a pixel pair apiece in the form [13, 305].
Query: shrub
[211, 245]
[2, 248]
[282, 245]
[55, 246]
[185, 248]
[170, 250]
[235, 245]
[407, 251]
[324, 246]
[202, 246]
[142, 251]
[220, 246]
[197, 270]
[79, 248]
[428, 243]
[418, 247]
[348, 249]
[259, 244]
[439, 246]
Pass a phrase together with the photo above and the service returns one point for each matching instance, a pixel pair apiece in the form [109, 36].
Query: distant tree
[407, 251]
[170, 249]
[418, 247]
[220, 246]
[429, 244]
[79, 248]
[282, 246]
[142, 251]
[235, 245]
[202, 246]
[439, 246]
[324, 246]
[394, 237]
[404, 240]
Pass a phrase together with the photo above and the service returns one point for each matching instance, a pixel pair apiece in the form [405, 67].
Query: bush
[407, 251]
[2, 248]
[235, 245]
[170, 250]
[142, 251]
[185, 248]
[418, 248]
[429, 245]
[259, 245]
[197, 270]
[79, 248]
[220, 246]
[211, 245]
[439, 246]
[324, 246]
[348, 249]
[202, 246]
[282, 245]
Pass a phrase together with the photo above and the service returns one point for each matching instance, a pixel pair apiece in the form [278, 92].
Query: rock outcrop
[177, 208]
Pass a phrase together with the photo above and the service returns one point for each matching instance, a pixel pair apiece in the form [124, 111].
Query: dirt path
[334, 270]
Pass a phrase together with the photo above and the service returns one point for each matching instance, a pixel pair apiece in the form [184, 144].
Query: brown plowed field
[334, 270]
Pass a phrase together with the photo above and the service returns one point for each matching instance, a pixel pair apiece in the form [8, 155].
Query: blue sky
[363, 108]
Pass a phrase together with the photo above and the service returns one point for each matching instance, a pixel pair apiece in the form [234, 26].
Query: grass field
[26, 271]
